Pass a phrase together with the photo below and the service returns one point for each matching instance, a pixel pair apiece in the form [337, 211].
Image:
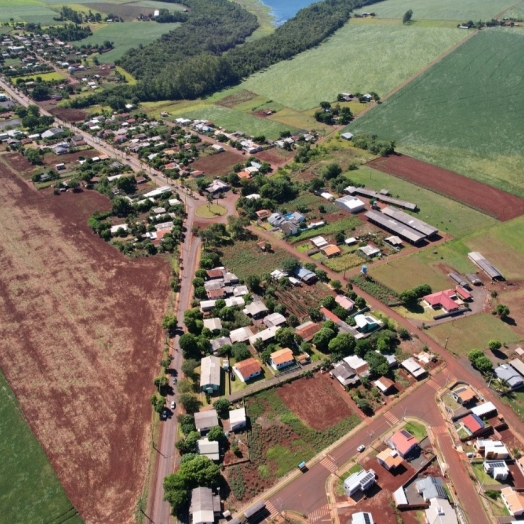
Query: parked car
[173, 404]
[163, 415]
[361, 448]
[174, 381]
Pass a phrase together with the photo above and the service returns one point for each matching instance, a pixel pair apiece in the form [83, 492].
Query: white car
[361, 448]
[173, 404]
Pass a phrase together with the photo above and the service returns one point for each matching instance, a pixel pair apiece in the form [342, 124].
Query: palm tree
[501, 385]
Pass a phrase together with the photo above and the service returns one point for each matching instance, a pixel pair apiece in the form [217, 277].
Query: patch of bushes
[375, 289]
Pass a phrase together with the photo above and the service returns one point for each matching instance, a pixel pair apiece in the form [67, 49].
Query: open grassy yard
[447, 215]
[233, 121]
[125, 36]
[473, 332]
[461, 10]
[353, 59]
[29, 488]
[473, 100]
[46, 77]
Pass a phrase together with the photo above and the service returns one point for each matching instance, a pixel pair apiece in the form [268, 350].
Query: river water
[283, 10]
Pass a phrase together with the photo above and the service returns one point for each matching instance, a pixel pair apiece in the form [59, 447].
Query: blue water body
[283, 10]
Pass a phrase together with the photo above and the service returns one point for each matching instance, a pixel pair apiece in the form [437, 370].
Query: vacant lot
[233, 121]
[125, 36]
[448, 215]
[71, 115]
[353, 59]
[218, 163]
[79, 334]
[461, 10]
[46, 77]
[473, 101]
[315, 401]
[473, 332]
[29, 488]
[483, 197]
[130, 10]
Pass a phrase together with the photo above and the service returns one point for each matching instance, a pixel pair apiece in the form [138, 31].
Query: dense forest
[204, 56]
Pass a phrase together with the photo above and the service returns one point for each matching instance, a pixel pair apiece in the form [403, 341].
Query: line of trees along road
[203, 55]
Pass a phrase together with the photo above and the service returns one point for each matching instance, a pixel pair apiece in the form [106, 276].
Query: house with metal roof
[440, 511]
[484, 409]
[266, 335]
[319, 242]
[472, 424]
[362, 517]
[357, 363]
[345, 374]
[431, 488]
[237, 419]
[219, 343]
[213, 324]
[240, 335]
[274, 319]
[205, 506]
[306, 276]
[208, 448]
[205, 420]
[210, 374]
[256, 309]
[360, 481]
[517, 365]
[510, 375]
[411, 365]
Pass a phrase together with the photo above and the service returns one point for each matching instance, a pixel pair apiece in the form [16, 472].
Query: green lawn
[516, 401]
[29, 488]
[354, 59]
[125, 36]
[462, 10]
[447, 215]
[46, 77]
[331, 228]
[417, 430]
[464, 113]
[233, 121]
[210, 211]
[517, 12]
[482, 476]
[473, 332]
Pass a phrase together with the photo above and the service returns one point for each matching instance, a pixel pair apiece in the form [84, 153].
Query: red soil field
[80, 341]
[503, 206]
[70, 115]
[218, 164]
[315, 402]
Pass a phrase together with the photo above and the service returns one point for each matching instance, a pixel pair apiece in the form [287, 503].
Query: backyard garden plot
[353, 59]
[125, 36]
[473, 332]
[233, 121]
[461, 10]
[473, 101]
[447, 215]
[29, 488]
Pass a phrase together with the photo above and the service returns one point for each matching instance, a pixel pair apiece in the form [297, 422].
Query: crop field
[125, 36]
[233, 121]
[517, 12]
[447, 215]
[353, 59]
[26, 11]
[29, 488]
[80, 365]
[474, 103]
[460, 10]
[472, 332]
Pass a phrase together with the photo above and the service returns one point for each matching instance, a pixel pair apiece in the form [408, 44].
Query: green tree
[121, 207]
[240, 352]
[494, 345]
[216, 433]
[161, 384]
[502, 311]
[189, 402]
[342, 345]
[188, 368]
[290, 264]
[336, 285]
[190, 346]
[378, 365]
[474, 354]
[34, 156]
[285, 337]
[483, 364]
[157, 401]
[187, 423]
[408, 15]
[222, 407]
[169, 323]
[322, 339]
[253, 283]
[329, 302]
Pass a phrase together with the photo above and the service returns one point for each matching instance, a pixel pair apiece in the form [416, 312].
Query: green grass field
[26, 11]
[354, 59]
[46, 77]
[473, 100]
[447, 215]
[461, 10]
[517, 12]
[233, 120]
[29, 488]
[473, 332]
[125, 36]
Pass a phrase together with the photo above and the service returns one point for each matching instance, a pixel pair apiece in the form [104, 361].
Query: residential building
[288, 228]
[219, 343]
[513, 500]
[497, 469]
[240, 335]
[210, 374]
[464, 394]
[306, 276]
[235, 302]
[431, 488]
[262, 214]
[205, 506]
[440, 511]
[256, 309]
[360, 481]
[330, 250]
[345, 302]
[307, 330]
[237, 419]
[369, 250]
[247, 369]
[389, 459]
[384, 384]
[492, 449]
[276, 219]
[517, 365]
[282, 358]
[209, 449]
[362, 517]
[240, 291]
[442, 300]
[274, 319]
[360, 365]
[213, 324]
[319, 242]
[345, 374]
[472, 424]
[411, 365]
[512, 377]
[484, 409]
[366, 323]
[266, 335]
[205, 420]
[403, 442]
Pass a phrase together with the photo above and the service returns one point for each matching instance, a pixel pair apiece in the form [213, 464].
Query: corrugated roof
[411, 221]
[210, 371]
[395, 227]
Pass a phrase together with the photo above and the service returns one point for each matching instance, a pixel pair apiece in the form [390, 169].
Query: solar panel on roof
[367, 520]
[498, 464]
[405, 433]
[367, 478]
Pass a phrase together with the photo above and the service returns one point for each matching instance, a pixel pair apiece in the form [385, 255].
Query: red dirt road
[503, 206]
[79, 344]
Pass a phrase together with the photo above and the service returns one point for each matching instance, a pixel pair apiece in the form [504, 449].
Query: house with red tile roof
[442, 300]
[328, 315]
[403, 442]
[472, 424]
[308, 330]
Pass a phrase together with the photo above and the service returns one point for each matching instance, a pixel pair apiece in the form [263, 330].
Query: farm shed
[319, 242]
[370, 193]
[330, 250]
[247, 369]
[237, 419]
[517, 365]
[327, 196]
[458, 279]
[350, 203]
[347, 136]
[462, 293]
[204, 506]
[486, 266]
[412, 222]
[384, 384]
[209, 449]
[413, 367]
[403, 231]
[393, 241]
[210, 374]
[474, 279]
[205, 420]
[369, 251]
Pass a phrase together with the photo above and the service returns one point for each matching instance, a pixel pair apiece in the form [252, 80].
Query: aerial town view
[262, 261]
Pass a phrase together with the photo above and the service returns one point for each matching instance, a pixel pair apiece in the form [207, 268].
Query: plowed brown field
[503, 206]
[80, 340]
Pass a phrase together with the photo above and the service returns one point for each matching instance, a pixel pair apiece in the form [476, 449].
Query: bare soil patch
[19, 163]
[315, 402]
[273, 157]
[219, 163]
[299, 300]
[487, 199]
[50, 159]
[238, 98]
[127, 12]
[80, 339]
[70, 115]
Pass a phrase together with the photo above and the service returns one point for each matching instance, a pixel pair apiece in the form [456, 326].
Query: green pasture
[46, 77]
[515, 12]
[462, 10]
[26, 11]
[464, 113]
[472, 332]
[233, 121]
[355, 58]
[29, 488]
[126, 36]
[449, 216]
